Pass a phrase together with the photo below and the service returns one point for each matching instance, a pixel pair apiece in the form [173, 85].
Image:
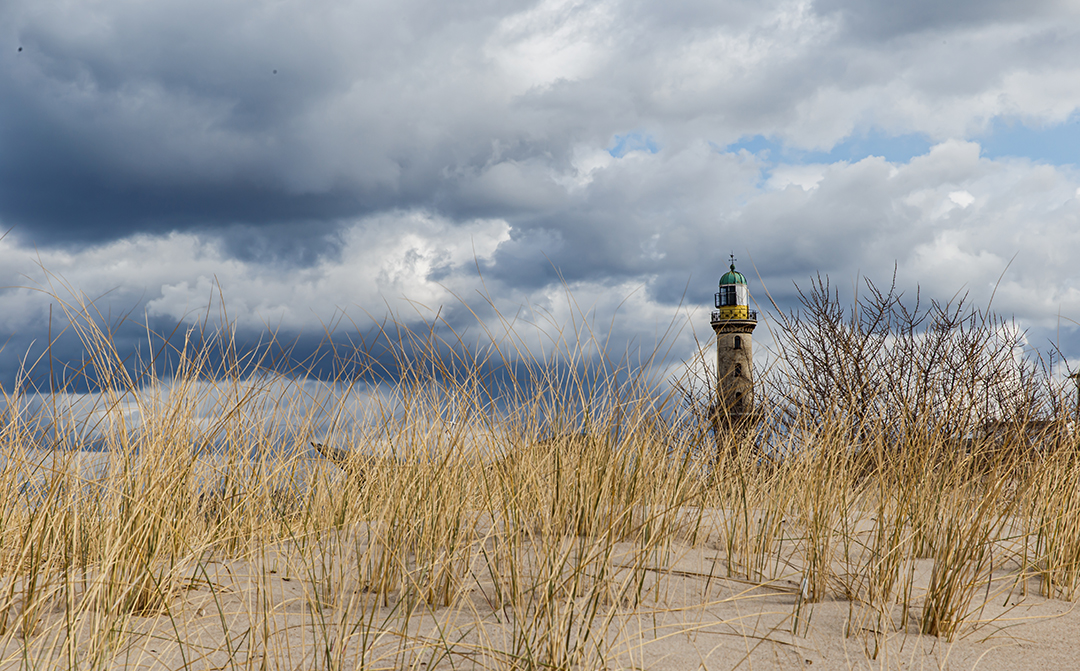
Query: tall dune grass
[489, 507]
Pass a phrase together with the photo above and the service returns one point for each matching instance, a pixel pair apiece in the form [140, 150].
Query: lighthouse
[733, 322]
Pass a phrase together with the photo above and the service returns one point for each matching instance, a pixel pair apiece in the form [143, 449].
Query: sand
[281, 608]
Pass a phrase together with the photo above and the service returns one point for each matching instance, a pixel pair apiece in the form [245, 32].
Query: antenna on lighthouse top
[733, 260]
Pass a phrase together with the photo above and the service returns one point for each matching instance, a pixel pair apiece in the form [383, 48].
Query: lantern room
[733, 299]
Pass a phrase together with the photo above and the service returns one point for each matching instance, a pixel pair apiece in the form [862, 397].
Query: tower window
[738, 370]
[727, 295]
[738, 342]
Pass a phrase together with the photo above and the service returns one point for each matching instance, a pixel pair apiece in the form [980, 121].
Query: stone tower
[734, 322]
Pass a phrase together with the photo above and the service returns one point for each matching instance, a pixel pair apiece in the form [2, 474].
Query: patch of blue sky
[1057, 144]
[894, 148]
[635, 141]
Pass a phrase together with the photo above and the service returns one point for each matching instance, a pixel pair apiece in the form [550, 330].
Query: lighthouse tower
[734, 322]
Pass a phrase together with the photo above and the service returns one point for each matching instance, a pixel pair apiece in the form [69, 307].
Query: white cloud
[806, 177]
[394, 260]
[552, 41]
[962, 198]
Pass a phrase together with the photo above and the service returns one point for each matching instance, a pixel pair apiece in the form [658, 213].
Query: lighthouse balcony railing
[750, 315]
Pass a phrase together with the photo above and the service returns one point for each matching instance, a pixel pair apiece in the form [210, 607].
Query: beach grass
[533, 502]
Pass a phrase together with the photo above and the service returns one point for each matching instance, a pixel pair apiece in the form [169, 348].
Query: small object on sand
[336, 455]
[341, 458]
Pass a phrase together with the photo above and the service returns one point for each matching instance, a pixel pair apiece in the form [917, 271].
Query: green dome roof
[732, 277]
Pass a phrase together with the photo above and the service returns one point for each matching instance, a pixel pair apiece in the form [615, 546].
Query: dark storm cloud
[121, 117]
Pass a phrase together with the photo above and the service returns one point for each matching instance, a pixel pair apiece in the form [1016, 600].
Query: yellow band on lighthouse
[734, 312]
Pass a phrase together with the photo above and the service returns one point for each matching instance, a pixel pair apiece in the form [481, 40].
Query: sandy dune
[291, 609]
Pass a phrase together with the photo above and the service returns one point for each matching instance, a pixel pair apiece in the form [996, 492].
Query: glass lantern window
[727, 295]
[734, 294]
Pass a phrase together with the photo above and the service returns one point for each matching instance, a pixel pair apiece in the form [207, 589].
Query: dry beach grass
[908, 498]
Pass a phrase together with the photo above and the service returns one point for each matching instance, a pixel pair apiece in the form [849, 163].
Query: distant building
[734, 322]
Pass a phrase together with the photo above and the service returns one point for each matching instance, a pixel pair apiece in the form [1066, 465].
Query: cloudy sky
[322, 161]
